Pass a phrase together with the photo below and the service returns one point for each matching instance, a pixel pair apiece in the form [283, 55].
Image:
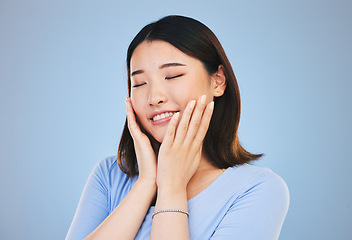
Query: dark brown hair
[193, 38]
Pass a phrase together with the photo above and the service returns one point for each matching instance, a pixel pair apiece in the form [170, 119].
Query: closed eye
[168, 78]
[138, 85]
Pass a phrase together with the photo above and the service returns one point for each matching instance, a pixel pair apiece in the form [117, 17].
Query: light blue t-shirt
[245, 202]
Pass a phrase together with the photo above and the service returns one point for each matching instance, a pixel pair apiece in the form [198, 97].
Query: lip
[161, 121]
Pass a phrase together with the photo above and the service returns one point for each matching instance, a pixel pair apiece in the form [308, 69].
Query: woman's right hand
[146, 157]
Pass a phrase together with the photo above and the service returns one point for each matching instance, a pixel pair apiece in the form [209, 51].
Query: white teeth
[163, 115]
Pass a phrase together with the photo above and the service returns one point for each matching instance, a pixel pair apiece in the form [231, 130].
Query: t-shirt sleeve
[93, 205]
[259, 212]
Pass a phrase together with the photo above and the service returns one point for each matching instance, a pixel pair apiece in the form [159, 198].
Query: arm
[122, 223]
[126, 219]
[92, 208]
[178, 160]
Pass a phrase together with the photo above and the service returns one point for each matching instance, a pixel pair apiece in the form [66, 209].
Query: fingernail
[192, 104]
[176, 115]
[211, 105]
[202, 99]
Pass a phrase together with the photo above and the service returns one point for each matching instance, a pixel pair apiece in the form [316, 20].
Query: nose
[157, 95]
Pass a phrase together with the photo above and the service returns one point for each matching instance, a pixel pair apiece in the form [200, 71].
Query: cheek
[138, 97]
[138, 107]
[187, 91]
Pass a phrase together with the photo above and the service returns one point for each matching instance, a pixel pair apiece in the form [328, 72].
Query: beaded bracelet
[170, 210]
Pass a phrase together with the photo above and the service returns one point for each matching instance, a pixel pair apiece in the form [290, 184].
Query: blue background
[62, 90]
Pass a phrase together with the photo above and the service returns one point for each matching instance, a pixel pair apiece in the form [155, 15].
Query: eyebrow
[166, 65]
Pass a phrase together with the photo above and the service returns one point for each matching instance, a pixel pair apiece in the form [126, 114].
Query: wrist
[147, 178]
[171, 184]
[171, 189]
[172, 198]
[146, 183]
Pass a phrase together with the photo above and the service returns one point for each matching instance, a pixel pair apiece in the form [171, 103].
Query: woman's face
[163, 81]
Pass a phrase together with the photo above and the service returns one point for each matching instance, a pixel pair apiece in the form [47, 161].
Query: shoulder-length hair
[221, 143]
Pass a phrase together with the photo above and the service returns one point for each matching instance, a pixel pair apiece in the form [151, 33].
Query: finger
[184, 122]
[171, 130]
[204, 125]
[196, 119]
[131, 120]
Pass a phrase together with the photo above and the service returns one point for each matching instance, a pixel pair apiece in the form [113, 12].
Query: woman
[180, 172]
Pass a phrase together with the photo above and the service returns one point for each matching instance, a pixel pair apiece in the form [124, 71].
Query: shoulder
[251, 196]
[105, 166]
[110, 178]
[248, 178]
[259, 180]
[109, 163]
[255, 175]
[108, 171]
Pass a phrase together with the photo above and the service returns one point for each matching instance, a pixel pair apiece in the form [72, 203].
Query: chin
[156, 138]
[159, 139]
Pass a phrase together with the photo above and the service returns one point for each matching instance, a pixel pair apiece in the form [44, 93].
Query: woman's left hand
[181, 149]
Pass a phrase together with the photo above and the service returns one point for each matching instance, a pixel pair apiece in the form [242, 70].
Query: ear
[219, 82]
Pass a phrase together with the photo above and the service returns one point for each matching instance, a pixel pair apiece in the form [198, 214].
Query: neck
[203, 177]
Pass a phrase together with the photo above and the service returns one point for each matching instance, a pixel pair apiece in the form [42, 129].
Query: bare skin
[179, 178]
[177, 170]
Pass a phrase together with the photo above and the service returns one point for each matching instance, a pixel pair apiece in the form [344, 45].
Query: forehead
[157, 52]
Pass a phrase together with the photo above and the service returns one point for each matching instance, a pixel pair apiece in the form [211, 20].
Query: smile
[163, 115]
